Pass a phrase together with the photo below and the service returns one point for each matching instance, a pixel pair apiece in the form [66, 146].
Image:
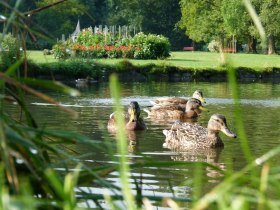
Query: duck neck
[213, 139]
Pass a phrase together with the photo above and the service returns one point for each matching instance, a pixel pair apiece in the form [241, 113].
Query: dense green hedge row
[73, 69]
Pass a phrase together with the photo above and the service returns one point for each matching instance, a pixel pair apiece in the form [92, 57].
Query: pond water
[260, 104]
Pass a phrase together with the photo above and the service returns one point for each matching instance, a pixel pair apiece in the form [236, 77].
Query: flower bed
[90, 45]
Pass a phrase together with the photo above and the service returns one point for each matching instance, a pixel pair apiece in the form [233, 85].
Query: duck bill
[202, 100]
[132, 116]
[202, 108]
[228, 132]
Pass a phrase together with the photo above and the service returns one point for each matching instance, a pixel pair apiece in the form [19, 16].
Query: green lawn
[198, 60]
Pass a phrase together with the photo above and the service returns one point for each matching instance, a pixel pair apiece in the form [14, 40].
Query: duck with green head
[193, 136]
[192, 108]
[180, 103]
[132, 118]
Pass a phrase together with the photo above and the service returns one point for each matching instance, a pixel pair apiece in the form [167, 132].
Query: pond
[260, 106]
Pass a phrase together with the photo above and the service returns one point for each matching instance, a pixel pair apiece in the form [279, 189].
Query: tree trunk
[252, 45]
[271, 45]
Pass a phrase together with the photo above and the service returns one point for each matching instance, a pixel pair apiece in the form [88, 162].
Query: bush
[62, 50]
[151, 46]
[214, 46]
[88, 38]
[9, 50]
[90, 45]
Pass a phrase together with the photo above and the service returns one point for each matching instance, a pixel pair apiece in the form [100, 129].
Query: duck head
[199, 95]
[134, 111]
[218, 123]
[195, 104]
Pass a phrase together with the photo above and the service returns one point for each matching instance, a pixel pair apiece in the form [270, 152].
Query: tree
[95, 13]
[238, 24]
[58, 20]
[151, 16]
[270, 18]
[202, 20]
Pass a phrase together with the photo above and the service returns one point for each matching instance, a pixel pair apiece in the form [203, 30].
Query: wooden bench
[228, 50]
[188, 48]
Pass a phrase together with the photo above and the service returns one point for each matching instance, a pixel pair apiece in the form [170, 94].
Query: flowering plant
[100, 45]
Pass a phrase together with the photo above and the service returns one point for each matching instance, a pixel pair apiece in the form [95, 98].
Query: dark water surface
[260, 103]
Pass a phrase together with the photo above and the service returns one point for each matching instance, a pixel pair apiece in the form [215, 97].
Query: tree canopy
[180, 20]
[220, 19]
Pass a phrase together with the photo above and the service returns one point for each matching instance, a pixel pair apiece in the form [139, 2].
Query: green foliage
[214, 46]
[62, 50]
[91, 45]
[202, 20]
[59, 19]
[150, 46]
[9, 50]
[270, 16]
[88, 38]
[236, 19]
[154, 17]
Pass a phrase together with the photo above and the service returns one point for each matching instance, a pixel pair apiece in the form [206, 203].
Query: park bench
[188, 48]
[229, 50]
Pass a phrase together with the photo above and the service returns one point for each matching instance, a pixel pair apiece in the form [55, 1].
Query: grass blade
[122, 144]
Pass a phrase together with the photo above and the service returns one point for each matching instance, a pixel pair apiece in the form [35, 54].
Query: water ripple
[144, 101]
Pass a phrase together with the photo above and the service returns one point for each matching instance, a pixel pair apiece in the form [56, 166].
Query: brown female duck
[193, 136]
[179, 102]
[132, 118]
[173, 112]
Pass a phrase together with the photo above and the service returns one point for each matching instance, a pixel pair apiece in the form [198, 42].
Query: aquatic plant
[30, 179]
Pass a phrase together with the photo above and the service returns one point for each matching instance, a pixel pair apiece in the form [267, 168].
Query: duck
[132, 118]
[193, 136]
[179, 102]
[85, 81]
[191, 111]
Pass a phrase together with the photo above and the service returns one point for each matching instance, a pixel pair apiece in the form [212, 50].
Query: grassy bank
[197, 60]
[181, 66]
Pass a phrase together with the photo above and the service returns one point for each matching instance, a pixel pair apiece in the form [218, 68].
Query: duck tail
[112, 115]
[165, 132]
[147, 111]
[153, 103]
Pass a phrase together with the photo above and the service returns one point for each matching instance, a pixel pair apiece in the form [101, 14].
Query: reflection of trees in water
[208, 155]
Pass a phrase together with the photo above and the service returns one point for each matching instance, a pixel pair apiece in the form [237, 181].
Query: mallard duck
[85, 81]
[194, 136]
[179, 102]
[173, 112]
[132, 119]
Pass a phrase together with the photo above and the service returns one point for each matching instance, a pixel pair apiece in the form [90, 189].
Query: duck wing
[186, 135]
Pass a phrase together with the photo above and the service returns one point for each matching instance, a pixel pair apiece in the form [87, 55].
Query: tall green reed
[239, 190]
[122, 144]
[50, 189]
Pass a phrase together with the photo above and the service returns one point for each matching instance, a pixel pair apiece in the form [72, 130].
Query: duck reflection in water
[208, 155]
[193, 142]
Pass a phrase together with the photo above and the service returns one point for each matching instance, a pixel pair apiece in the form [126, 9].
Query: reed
[29, 178]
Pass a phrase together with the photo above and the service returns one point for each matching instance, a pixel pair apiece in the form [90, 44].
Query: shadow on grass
[185, 60]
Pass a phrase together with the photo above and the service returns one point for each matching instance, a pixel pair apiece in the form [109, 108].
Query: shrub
[9, 50]
[62, 50]
[88, 38]
[90, 45]
[151, 46]
[214, 46]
